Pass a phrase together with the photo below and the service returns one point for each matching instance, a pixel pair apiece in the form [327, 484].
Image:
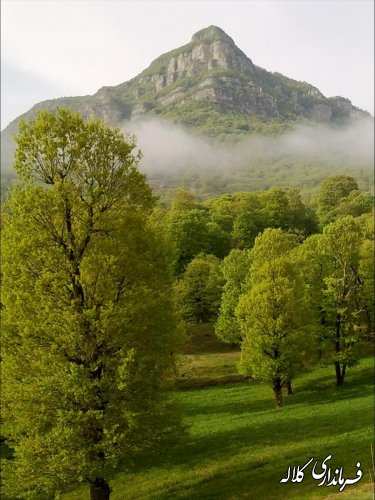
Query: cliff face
[201, 81]
[209, 49]
[212, 69]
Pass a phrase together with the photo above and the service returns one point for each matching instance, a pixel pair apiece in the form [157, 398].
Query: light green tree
[88, 326]
[367, 274]
[356, 204]
[333, 190]
[235, 269]
[274, 314]
[275, 208]
[331, 263]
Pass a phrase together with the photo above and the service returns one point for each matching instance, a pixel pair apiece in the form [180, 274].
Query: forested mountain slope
[208, 119]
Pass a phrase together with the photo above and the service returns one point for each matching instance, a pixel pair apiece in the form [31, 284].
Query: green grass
[203, 370]
[239, 446]
[206, 360]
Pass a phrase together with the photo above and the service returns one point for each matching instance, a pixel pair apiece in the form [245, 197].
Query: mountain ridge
[212, 88]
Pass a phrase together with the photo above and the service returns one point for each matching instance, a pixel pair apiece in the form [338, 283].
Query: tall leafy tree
[356, 204]
[248, 221]
[302, 218]
[222, 211]
[219, 241]
[333, 270]
[340, 248]
[88, 322]
[274, 313]
[193, 231]
[275, 208]
[183, 200]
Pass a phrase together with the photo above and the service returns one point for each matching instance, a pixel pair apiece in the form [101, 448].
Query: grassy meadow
[240, 446]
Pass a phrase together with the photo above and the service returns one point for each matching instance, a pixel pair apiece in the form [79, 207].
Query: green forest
[180, 344]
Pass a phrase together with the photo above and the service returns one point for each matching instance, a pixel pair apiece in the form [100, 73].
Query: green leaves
[274, 312]
[235, 268]
[335, 269]
[198, 291]
[89, 327]
[333, 191]
[62, 149]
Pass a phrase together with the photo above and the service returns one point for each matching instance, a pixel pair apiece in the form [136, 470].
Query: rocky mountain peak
[211, 87]
[212, 33]
[210, 49]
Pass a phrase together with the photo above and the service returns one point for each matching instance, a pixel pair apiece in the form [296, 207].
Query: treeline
[257, 174]
[291, 284]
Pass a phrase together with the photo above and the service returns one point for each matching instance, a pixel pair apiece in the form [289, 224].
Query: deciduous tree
[336, 277]
[332, 191]
[199, 289]
[88, 322]
[235, 268]
[274, 313]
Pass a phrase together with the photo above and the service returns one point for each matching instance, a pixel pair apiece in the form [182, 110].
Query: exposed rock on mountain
[211, 87]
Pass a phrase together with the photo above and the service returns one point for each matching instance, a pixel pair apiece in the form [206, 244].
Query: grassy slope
[206, 361]
[240, 446]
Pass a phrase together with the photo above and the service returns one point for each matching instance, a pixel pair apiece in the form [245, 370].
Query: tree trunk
[339, 375]
[289, 389]
[277, 391]
[343, 371]
[100, 489]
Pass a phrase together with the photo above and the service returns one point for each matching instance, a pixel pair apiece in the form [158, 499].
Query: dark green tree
[187, 230]
[199, 289]
[219, 241]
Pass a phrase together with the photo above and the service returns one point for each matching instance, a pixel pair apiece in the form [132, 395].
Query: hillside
[212, 88]
[239, 447]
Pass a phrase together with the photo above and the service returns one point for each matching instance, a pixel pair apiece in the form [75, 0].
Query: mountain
[213, 89]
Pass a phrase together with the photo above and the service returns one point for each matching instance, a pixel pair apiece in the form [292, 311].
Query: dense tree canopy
[88, 321]
[332, 191]
[235, 268]
[93, 268]
[274, 313]
[199, 289]
[336, 265]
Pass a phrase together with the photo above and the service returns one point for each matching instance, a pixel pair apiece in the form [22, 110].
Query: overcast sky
[56, 48]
